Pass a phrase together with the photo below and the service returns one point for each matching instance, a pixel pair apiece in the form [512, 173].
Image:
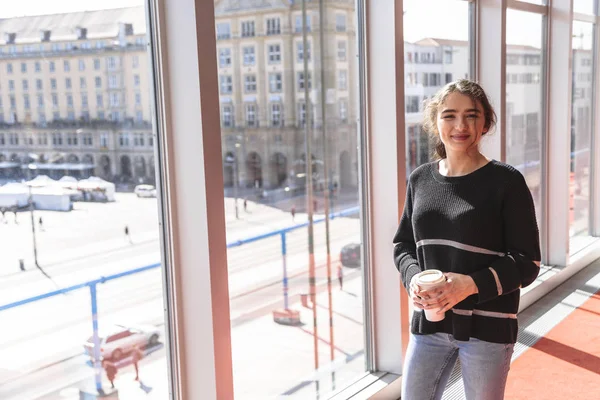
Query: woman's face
[460, 123]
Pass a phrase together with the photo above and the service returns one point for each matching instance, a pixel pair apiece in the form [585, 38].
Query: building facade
[74, 96]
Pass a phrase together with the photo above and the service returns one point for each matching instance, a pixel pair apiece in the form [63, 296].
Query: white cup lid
[430, 276]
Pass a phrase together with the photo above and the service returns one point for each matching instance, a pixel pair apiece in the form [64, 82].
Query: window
[223, 30]
[66, 66]
[96, 64]
[55, 115]
[13, 102]
[225, 57]
[412, 104]
[341, 50]
[37, 66]
[276, 114]
[274, 54]
[100, 115]
[417, 25]
[340, 22]
[136, 80]
[139, 118]
[51, 66]
[300, 51]
[138, 99]
[342, 80]
[275, 85]
[54, 97]
[9, 68]
[250, 83]
[69, 100]
[38, 84]
[25, 84]
[273, 26]
[247, 28]
[525, 153]
[251, 115]
[98, 82]
[23, 67]
[248, 53]
[582, 105]
[301, 114]
[301, 80]
[68, 83]
[111, 63]
[81, 65]
[84, 100]
[113, 82]
[82, 83]
[40, 100]
[135, 61]
[99, 100]
[53, 84]
[114, 100]
[103, 138]
[344, 110]
[298, 25]
[11, 85]
[26, 102]
[227, 116]
[448, 57]
[226, 84]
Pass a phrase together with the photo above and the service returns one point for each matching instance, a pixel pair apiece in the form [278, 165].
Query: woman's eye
[448, 116]
[472, 116]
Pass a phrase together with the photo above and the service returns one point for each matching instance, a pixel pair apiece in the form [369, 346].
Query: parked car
[145, 191]
[120, 340]
[350, 255]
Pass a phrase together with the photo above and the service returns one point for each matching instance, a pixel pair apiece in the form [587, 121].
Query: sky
[446, 19]
[19, 8]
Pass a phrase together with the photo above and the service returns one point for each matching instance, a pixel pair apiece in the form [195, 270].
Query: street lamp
[236, 179]
[33, 229]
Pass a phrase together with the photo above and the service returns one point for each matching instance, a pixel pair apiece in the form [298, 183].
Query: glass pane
[434, 54]
[581, 128]
[583, 6]
[524, 111]
[81, 283]
[272, 194]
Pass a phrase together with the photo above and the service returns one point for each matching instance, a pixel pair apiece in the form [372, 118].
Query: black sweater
[482, 224]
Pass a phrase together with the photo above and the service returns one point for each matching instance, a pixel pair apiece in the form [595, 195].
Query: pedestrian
[293, 212]
[41, 222]
[127, 235]
[245, 205]
[111, 372]
[473, 218]
[340, 275]
[315, 204]
[136, 356]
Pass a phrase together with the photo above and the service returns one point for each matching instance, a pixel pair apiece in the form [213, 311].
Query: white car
[119, 340]
[145, 191]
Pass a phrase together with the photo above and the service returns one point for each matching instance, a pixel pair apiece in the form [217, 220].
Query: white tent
[41, 181]
[14, 194]
[56, 199]
[97, 188]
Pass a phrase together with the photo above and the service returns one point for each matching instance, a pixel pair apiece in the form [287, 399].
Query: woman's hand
[416, 295]
[457, 288]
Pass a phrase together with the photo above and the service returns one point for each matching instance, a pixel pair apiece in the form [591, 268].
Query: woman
[472, 218]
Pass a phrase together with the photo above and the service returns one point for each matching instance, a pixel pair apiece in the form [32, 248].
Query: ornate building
[74, 96]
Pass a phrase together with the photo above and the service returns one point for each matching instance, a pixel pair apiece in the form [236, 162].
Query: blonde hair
[462, 86]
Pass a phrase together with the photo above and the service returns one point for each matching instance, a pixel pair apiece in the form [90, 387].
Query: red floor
[564, 364]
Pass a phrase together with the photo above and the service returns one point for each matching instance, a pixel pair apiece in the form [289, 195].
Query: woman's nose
[461, 124]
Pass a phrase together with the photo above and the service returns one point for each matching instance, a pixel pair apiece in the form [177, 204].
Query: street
[51, 332]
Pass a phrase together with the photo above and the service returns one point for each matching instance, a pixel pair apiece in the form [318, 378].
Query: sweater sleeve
[520, 265]
[405, 249]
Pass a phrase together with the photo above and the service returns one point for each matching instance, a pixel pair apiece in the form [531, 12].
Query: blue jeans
[430, 359]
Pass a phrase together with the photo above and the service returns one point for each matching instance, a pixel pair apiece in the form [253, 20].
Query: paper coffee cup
[427, 280]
